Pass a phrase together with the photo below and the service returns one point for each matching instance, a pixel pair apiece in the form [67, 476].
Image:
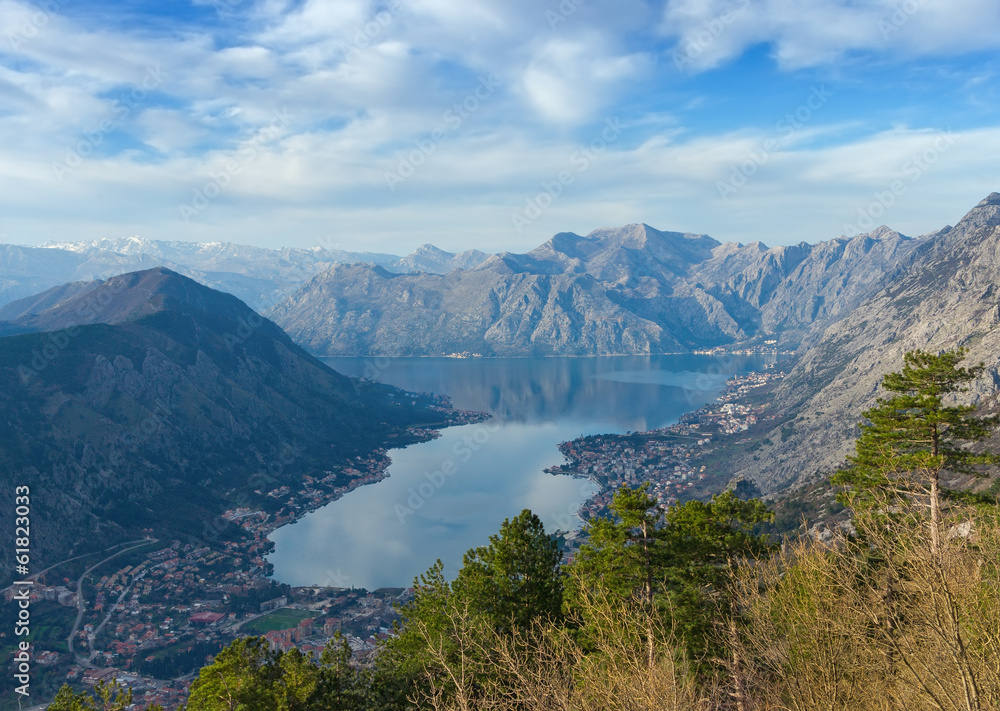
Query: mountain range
[851, 308]
[628, 290]
[631, 289]
[260, 277]
[151, 402]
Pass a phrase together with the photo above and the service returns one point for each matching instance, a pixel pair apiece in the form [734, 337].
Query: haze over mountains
[260, 277]
[627, 290]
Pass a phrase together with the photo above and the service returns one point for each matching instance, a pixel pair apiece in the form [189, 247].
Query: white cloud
[804, 33]
[366, 83]
[569, 81]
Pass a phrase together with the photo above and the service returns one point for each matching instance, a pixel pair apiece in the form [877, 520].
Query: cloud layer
[491, 123]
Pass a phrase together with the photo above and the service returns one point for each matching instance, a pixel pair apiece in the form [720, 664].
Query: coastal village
[667, 457]
[160, 612]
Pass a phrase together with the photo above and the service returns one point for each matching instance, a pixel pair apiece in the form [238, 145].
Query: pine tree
[515, 580]
[912, 436]
[244, 676]
[673, 562]
[502, 588]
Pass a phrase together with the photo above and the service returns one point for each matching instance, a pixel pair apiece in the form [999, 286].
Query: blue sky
[493, 124]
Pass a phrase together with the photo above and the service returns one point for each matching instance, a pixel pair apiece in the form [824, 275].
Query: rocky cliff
[948, 297]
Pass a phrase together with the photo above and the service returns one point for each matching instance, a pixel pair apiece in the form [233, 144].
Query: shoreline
[752, 351]
[613, 461]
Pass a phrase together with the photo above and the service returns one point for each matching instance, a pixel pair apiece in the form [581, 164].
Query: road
[81, 608]
[111, 611]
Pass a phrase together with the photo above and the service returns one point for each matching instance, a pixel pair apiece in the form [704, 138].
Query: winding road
[81, 607]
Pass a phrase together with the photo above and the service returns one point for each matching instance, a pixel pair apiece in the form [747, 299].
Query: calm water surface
[450, 494]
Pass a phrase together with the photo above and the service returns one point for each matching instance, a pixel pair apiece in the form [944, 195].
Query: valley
[247, 474]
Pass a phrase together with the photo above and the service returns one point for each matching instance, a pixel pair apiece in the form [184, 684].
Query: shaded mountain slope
[166, 403]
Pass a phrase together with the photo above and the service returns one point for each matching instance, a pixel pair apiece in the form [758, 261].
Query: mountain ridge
[652, 291]
[150, 387]
[948, 299]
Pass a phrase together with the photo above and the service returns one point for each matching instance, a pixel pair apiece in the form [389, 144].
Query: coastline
[669, 458]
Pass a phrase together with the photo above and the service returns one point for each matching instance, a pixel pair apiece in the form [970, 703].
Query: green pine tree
[504, 586]
[514, 580]
[672, 563]
[912, 436]
[244, 676]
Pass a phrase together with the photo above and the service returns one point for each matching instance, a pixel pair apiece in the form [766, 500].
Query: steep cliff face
[947, 298]
[632, 289]
[150, 400]
[352, 310]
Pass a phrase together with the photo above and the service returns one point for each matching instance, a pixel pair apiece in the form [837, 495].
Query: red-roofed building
[206, 618]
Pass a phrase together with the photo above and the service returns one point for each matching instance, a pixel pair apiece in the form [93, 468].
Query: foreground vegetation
[693, 607]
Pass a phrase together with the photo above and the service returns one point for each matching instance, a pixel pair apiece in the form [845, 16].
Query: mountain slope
[356, 309]
[948, 298]
[151, 401]
[632, 289]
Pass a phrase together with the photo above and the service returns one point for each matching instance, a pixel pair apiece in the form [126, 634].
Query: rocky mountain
[260, 277]
[948, 297]
[429, 259]
[149, 387]
[491, 310]
[632, 289]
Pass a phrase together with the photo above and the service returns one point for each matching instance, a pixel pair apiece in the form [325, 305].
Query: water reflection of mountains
[625, 393]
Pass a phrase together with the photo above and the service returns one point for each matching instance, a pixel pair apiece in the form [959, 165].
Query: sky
[493, 124]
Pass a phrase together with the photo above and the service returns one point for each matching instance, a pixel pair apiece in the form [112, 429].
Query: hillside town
[155, 619]
[159, 612]
[667, 458]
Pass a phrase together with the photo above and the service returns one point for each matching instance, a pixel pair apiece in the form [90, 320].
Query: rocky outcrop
[947, 298]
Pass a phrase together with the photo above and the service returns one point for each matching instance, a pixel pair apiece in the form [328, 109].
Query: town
[155, 612]
[667, 458]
